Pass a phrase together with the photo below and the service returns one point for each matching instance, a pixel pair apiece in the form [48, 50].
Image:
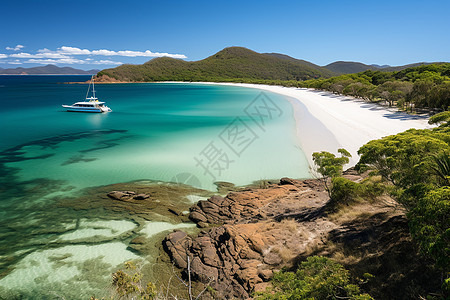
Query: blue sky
[101, 34]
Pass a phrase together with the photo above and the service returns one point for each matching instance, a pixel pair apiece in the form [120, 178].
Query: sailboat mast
[93, 86]
[87, 93]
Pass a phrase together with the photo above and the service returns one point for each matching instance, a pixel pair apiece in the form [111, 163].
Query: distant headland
[47, 70]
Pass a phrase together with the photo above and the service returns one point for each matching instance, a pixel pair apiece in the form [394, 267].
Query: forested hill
[230, 64]
[426, 86]
[349, 67]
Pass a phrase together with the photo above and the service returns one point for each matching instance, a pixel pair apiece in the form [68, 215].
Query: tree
[441, 168]
[330, 166]
[317, 278]
[404, 159]
[417, 163]
[430, 226]
[442, 118]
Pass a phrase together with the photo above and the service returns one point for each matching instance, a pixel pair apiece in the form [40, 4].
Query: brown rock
[174, 211]
[272, 258]
[202, 225]
[261, 287]
[203, 272]
[197, 217]
[265, 274]
[121, 195]
[176, 245]
[138, 240]
[141, 197]
[287, 181]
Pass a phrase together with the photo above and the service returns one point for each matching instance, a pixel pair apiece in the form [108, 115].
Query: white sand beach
[326, 122]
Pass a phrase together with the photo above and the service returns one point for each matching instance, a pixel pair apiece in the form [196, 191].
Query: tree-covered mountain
[46, 70]
[350, 67]
[230, 64]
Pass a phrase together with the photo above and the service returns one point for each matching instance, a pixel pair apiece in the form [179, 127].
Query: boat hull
[84, 109]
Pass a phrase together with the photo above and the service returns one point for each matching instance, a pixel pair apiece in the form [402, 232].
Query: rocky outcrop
[254, 205]
[232, 258]
[241, 254]
[122, 195]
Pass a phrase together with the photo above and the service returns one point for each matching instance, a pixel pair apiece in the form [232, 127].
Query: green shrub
[343, 192]
[317, 278]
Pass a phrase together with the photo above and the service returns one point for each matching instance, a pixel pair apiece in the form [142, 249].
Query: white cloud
[105, 52]
[73, 51]
[17, 48]
[107, 62]
[39, 55]
[66, 55]
[15, 62]
[69, 61]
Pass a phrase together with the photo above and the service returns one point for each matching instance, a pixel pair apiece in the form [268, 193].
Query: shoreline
[327, 122]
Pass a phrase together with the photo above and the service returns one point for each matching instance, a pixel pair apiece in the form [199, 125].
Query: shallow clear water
[188, 133]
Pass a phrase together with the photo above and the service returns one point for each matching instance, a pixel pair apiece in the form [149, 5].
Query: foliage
[129, 283]
[405, 159]
[330, 166]
[426, 86]
[347, 192]
[441, 168]
[317, 278]
[440, 118]
[430, 225]
[343, 192]
[417, 163]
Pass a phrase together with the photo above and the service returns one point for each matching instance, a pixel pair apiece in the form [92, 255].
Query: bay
[190, 133]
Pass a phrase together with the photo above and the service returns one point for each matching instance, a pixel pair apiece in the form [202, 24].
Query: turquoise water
[157, 131]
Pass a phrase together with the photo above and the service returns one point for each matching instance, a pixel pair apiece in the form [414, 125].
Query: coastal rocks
[236, 206]
[228, 255]
[288, 181]
[257, 204]
[121, 195]
[141, 197]
[127, 196]
[257, 234]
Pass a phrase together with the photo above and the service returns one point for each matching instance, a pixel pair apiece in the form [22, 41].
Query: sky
[103, 34]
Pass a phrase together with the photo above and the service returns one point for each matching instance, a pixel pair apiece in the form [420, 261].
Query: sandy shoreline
[326, 122]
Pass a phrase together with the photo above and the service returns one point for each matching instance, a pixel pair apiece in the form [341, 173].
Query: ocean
[58, 235]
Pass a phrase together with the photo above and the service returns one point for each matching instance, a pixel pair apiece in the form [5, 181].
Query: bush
[343, 192]
[317, 278]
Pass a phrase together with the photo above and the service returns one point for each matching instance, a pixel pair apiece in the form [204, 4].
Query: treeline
[426, 86]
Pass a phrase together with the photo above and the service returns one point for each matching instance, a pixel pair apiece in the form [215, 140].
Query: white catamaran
[91, 104]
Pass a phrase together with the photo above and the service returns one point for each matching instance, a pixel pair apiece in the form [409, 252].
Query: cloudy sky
[102, 34]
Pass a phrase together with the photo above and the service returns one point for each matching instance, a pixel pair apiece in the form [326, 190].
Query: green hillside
[230, 64]
[426, 86]
[348, 67]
